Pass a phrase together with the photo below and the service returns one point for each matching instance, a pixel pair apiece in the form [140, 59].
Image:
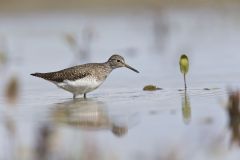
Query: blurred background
[120, 120]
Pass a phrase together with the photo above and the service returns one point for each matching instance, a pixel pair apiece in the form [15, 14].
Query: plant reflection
[234, 116]
[88, 115]
[186, 108]
[44, 140]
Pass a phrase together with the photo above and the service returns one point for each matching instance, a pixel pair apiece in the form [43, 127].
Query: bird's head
[117, 61]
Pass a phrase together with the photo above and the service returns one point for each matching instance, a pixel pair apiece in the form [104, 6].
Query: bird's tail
[46, 76]
[41, 75]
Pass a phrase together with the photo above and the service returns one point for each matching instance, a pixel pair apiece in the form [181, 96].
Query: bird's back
[76, 72]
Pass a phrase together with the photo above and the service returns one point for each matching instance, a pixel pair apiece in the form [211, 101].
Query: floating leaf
[151, 88]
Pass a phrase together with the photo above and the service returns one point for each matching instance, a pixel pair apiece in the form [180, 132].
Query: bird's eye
[118, 60]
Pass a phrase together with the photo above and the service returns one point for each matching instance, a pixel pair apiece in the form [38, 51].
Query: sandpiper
[84, 78]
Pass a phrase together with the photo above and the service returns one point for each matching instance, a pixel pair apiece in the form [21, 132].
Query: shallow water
[120, 120]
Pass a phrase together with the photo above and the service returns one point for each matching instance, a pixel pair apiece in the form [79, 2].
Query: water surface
[120, 120]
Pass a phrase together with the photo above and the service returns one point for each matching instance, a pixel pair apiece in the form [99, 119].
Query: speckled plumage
[84, 78]
[77, 72]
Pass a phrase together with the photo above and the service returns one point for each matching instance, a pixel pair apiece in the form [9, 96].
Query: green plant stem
[185, 84]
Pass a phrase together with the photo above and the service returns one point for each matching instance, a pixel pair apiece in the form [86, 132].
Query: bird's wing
[73, 73]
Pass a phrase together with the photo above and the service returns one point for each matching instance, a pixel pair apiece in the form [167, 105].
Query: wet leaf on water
[12, 90]
[151, 88]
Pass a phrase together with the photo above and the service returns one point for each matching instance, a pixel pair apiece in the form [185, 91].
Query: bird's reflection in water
[234, 116]
[89, 115]
[186, 108]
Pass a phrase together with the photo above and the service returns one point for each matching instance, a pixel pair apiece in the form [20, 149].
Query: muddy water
[120, 120]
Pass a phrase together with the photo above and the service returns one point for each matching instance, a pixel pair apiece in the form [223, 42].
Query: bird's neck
[109, 64]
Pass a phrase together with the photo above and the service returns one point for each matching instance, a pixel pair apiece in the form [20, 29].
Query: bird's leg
[74, 96]
[85, 96]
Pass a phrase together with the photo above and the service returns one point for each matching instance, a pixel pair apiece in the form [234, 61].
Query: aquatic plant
[184, 66]
[151, 88]
[233, 110]
[12, 90]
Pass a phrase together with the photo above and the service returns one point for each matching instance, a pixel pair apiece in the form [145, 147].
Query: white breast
[80, 86]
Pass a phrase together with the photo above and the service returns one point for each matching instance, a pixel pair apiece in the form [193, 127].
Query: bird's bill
[133, 69]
